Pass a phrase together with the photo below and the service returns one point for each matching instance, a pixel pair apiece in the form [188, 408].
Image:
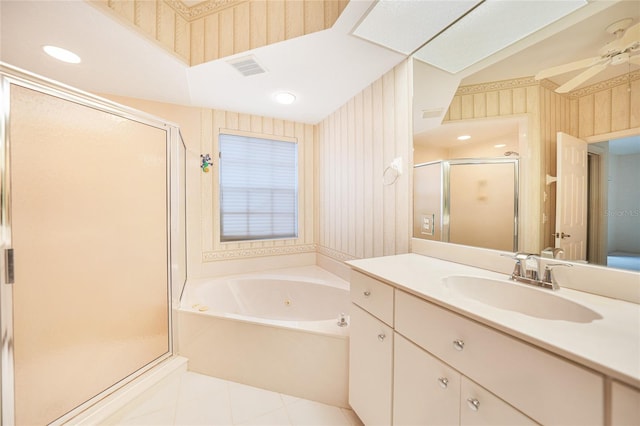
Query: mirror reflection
[466, 191]
[521, 115]
[613, 232]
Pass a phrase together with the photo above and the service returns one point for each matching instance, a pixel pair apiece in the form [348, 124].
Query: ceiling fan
[619, 51]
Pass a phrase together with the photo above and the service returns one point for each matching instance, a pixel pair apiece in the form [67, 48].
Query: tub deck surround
[304, 298]
[610, 345]
[235, 328]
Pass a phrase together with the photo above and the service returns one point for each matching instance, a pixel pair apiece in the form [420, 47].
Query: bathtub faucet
[342, 320]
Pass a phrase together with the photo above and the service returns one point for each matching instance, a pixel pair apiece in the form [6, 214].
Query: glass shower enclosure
[472, 202]
[92, 239]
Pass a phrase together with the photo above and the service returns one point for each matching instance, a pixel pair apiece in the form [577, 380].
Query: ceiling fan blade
[581, 78]
[631, 36]
[571, 66]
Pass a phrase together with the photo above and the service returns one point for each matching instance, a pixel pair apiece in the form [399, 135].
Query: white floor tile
[248, 402]
[353, 419]
[314, 413]
[165, 417]
[194, 386]
[160, 398]
[196, 399]
[288, 399]
[274, 418]
[207, 411]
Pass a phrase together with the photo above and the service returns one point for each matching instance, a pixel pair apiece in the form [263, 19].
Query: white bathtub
[277, 330]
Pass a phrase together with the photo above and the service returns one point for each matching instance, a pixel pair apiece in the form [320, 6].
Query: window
[258, 188]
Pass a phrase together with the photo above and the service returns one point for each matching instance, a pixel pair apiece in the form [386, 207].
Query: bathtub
[284, 330]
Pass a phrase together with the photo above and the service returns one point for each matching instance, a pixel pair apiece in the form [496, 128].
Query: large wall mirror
[467, 182]
[612, 209]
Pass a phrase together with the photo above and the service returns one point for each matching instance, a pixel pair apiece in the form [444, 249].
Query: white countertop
[610, 345]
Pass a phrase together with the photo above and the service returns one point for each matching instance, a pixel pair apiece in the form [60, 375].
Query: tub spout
[342, 320]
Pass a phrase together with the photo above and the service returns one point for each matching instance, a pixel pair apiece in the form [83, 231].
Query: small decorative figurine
[206, 162]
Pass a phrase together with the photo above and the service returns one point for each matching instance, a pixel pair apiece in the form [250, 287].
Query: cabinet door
[370, 368]
[625, 405]
[426, 391]
[563, 392]
[478, 406]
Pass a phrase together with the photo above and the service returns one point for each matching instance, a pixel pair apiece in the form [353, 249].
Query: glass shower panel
[482, 205]
[89, 233]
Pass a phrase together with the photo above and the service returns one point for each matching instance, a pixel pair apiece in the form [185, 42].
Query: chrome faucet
[521, 273]
[548, 278]
[520, 268]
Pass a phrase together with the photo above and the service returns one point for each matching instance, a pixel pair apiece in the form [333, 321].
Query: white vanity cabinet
[426, 390]
[547, 388]
[414, 362]
[371, 350]
[625, 405]
[429, 392]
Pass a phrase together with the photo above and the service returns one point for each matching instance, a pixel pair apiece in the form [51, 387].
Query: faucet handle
[548, 275]
[523, 256]
[520, 268]
[518, 256]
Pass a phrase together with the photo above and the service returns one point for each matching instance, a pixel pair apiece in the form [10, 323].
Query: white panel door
[571, 197]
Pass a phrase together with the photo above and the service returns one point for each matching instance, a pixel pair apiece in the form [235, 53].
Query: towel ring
[390, 181]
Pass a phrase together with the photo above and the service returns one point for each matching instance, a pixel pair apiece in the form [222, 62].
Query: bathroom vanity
[439, 343]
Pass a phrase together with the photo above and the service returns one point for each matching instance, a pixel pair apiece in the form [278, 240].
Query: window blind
[258, 188]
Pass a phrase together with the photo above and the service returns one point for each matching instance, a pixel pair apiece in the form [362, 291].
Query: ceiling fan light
[284, 98]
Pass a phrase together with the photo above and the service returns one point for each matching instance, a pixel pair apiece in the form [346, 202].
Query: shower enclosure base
[103, 410]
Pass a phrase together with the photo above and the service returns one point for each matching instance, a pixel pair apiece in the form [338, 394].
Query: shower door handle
[8, 257]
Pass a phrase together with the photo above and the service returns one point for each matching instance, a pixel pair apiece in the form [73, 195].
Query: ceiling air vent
[432, 113]
[247, 65]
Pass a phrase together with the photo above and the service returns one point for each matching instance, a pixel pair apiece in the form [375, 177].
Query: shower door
[483, 203]
[88, 215]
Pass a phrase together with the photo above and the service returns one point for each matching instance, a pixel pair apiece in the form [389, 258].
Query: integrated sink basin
[515, 297]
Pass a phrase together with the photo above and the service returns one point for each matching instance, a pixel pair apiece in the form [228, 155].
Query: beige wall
[206, 255]
[345, 209]
[214, 29]
[607, 107]
[359, 216]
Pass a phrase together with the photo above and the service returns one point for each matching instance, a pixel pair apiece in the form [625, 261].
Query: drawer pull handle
[444, 382]
[367, 293]
[473, 404]
[458, 344]
[381, 337]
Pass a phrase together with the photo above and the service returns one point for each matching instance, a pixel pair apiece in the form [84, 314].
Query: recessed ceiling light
[500, 145]
[285, 98]
[464, 137]
[62, 54]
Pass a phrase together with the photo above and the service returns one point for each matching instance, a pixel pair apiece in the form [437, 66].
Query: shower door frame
[446, 189]
[176, 269]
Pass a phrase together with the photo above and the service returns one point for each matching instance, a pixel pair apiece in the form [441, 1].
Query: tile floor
[195, 399]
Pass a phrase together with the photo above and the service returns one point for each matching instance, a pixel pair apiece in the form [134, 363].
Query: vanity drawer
[373, 296]
[547, 388]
